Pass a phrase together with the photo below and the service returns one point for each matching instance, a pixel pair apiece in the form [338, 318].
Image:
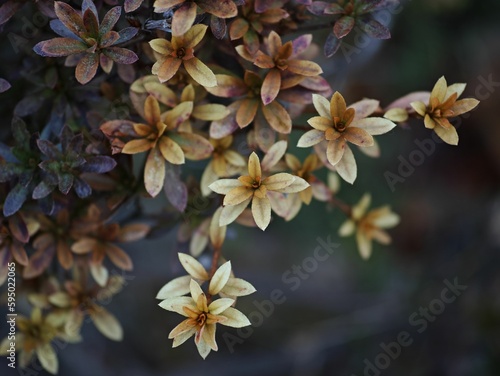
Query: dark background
[335, 322]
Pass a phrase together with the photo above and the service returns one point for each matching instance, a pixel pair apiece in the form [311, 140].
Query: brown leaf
[277, 117]
[219, 8]
[270, 86]
[87, 68]
[195, 147]
[246, 111]
[183, 18]
[200, 72]
[118, 257]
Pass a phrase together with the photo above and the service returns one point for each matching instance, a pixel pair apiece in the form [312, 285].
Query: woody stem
[346, 209]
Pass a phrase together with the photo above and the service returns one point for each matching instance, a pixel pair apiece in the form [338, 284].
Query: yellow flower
[180, 51]
[34, 337]
[369, 225]
[443, 104]
[202, 317]
[338, 125]
[254, 188]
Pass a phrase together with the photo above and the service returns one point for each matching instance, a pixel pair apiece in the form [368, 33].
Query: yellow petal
[162, 46]
[217, 232]
[261, 211]
[364, 245]
[311, 138]
[209, 112]
[223, 186]
[237, 195]
[254, 169]
[398, 115]
[219, 280]
[374, 126]
[322, 105]
[194, 36]
[439, 90]
[335, 151]
[48, 358]
[429, 122]
[193, 267]
[171, 151]
[448, 135]
[231, 212]
[320, 123]
[347, 228]
[137, 146]
[337, 105]
[235, 318]
[177, 287]
[200, 72]
[464, 105]
[220, 305]
[419, 107]
[168, 68]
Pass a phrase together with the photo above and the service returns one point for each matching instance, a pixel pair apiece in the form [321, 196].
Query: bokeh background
[344, 308]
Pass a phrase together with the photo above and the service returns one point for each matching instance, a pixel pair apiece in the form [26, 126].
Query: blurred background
[340, 314]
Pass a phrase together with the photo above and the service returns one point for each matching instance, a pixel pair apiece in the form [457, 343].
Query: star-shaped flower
[443, 105]
[180, 51]
[338, 125]
[369, 225]
[202, 317]
[254, 188]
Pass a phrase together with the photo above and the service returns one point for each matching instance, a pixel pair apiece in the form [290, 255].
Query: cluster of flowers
[230, 97]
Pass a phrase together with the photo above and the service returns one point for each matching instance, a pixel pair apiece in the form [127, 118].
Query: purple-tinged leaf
[8, 9]
[334, 8]
[15, 199]
[89, 5]
[99, 164]
[131, 5]
[81, 187]
[48, 149]
[75, 145]
[19, 132]
[316, 83]
[91, 23]
[301, 44]
[4, 85]
[332, 45]
[65, 183]
[87, 68]
[43, 189]
[6, 154]
[121, 55]
[218, 27]
[29, 105]
[106, 63]
[70, 18]
[343, 26]
[110, 19]
[39, 262]
[18, 228]
[404, 102]
[109, 39]
[376, 30]
[59, 47]
[58, 27]
[318, 7]
[175, 190]
[65, 136]
[127, 34]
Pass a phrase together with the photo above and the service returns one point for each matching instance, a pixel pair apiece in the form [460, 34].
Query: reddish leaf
[376, 30]
[343, 26]
[121, 55]
[59, 47]
[87, 68]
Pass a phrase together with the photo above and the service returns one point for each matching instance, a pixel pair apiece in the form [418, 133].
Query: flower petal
[237, 287]
[364, 245]
[358, 136]
[277, 117]
[177, 287]
[177, 304]
[237, 195]
[347, 168]
[321, 105]
[261, 211]
[231, 212]
[439, 90]
[374, 126]
[193, 267]
[220, 305]
[200, 72]
[48, 358]
[464, 105]
[337, 105]
[311, 138]
[448, 135]
[335, 150]
[223, 186]
[107, 324]
[154, 172]
[235, 318]
[254, 169]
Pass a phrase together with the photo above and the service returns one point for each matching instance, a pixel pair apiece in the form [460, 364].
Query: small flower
[202, 317]
[92, 43]
[338, 125]
[281, 60]
[443, 105]
[180, 51]
[34, 337]
[254, 188]
[160, 136]
[369, 225]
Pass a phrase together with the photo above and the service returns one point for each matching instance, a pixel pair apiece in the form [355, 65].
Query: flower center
[256, 183]
[281, 64]
[202, 318]
[340, 126]
[181, 52]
